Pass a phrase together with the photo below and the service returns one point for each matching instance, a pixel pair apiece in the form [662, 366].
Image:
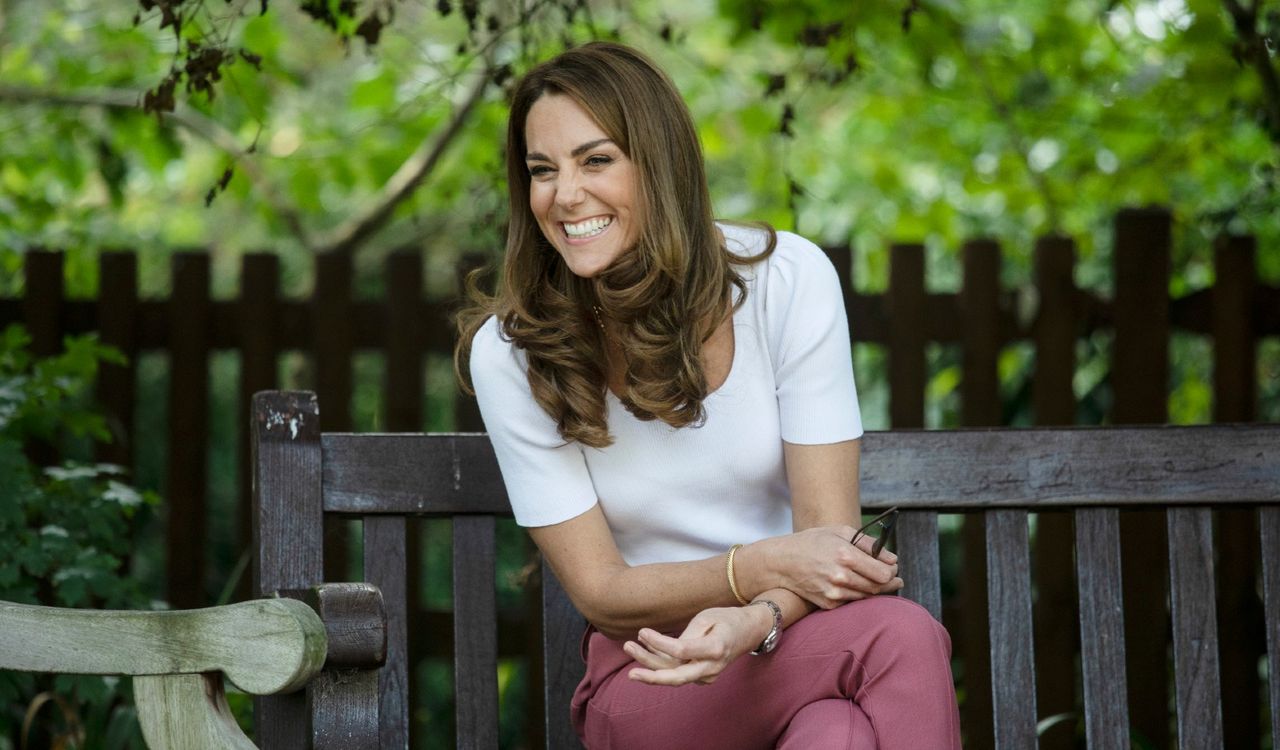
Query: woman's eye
[598, 161]
[539, 170]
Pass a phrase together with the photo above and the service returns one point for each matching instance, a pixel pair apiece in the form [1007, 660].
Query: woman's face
[582, 188]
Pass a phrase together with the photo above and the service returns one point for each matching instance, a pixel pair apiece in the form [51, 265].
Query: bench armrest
[263, 646]
[177, 659]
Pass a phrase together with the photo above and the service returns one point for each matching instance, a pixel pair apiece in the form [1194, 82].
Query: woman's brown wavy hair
[665, 297]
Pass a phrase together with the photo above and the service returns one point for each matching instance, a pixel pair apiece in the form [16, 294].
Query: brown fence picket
[333, 347]
[1242, 642]
[1139, 376]
[259, 349]
[117, 308]
[907, 322]
[42, 301]
[404, 391]
[188, 431]
[1054, 403]
[920, 568]
[980, 406]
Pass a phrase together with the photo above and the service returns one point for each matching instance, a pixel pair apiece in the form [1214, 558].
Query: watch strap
[770, 641]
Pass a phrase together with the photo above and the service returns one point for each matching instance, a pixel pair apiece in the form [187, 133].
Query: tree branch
[347, 236]
[184, 116]
[1255, 51]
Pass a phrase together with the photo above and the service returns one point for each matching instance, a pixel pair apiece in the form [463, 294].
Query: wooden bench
[1185, 472]
[301, 476]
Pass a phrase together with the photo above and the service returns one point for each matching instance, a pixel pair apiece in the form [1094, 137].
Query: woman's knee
[905, 623]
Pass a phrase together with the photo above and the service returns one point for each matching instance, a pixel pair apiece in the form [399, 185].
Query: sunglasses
[886, 522]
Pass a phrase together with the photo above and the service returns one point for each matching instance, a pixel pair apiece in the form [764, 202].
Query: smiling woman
[583, 186]
[672, 404]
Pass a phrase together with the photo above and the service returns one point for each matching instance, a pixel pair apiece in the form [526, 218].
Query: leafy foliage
[68, 529]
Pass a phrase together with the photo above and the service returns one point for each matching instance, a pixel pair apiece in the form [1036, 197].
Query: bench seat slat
[918, 541]
[475, 636]
[1013, 690]
[1269, 525]
[384, 567]
[1195, 629]
[1106, 710]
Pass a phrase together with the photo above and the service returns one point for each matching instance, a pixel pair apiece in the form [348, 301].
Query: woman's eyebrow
[579, 151]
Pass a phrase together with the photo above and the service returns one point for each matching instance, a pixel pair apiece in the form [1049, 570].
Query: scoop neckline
[733, 365]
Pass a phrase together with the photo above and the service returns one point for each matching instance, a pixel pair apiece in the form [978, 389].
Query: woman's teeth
[588, 228]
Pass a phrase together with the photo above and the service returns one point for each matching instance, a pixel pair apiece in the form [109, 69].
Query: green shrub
[67, 532]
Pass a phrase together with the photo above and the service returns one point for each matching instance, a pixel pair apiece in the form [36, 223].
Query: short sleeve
[809, 345]
[546, 478]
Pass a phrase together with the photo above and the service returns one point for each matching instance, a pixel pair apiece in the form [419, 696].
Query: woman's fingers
[648, 658]
[694, 671]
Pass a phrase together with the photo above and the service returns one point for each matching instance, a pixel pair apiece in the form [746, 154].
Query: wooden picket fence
[331, 326]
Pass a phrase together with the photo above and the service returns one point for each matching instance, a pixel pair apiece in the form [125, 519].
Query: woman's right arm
[619, 599]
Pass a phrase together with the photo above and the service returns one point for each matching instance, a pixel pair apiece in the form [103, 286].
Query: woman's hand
[822, 567]
[712, 640]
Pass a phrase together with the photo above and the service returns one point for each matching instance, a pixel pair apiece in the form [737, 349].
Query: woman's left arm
[824, 492]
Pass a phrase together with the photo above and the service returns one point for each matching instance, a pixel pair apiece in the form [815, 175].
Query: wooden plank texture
[475, 643]
[1106, 709]
[436, 474]
[344, 699]
[187, 711]
[919, 565]
[384, 567]
[1269, 525]
[1013, 695]
[563, 667]
[263, 646]
[1043, 468]
[288, 531]
[1195, 632]
[945, 470]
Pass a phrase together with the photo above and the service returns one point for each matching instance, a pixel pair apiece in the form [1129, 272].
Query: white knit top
[683, 494]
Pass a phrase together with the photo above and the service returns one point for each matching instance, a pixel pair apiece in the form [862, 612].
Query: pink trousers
[875, 673]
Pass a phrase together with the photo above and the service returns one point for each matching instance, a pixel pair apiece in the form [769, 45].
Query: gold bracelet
[728, 569]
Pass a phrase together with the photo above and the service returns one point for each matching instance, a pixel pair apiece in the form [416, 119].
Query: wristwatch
[770, 641]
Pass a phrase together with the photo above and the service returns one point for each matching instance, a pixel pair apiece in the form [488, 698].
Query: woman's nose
[569, 191]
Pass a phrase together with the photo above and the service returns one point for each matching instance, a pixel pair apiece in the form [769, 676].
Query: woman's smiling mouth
[588, 228]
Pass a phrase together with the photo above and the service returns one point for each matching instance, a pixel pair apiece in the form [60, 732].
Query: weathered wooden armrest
[176, 657]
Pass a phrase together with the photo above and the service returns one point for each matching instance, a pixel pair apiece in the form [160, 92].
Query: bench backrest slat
[1013, 689]
[385, 541]
[1269, 527]
[1106, 708]
[920, 567]
[475, 637]
[1195, 627]
[562, 662]
[288, 532]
